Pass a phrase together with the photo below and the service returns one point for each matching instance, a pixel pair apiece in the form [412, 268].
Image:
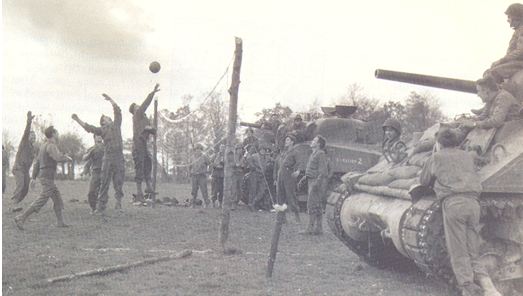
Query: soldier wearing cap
[23, 161]
[113, 164]
[199, 168]
[512, 62]
[141, 156]
[451, 173]
[285, 173]
[45, 169]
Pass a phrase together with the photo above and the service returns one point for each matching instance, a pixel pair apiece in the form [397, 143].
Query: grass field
[318, 265]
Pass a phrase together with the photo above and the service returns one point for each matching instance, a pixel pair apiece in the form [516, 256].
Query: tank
[387, 220]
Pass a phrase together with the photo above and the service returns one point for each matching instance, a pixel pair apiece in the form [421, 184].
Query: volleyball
[154, 67]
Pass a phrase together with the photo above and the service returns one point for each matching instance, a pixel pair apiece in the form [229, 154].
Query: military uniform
[284, 167]
[198, 169]
[457, 185]
[94, 158]
[5, 167]
[23, 161]
[317, 172]
[256, 179]
[217, 176]
[512, 62]
[237, 175]
[141, 155]
[45, 169]
[113, 164]
[504, 107]
[251, 140]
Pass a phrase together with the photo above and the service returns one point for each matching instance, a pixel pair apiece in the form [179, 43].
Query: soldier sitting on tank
[451, 173]
[512, 62]
[250, 139]
[299, 129]
[500, 106]
[393, 149]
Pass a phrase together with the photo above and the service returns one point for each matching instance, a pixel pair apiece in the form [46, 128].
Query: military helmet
[515, 10]
[393, 123]
[298, 117]
[198, 146]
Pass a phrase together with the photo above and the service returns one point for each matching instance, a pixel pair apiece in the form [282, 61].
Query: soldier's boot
[118, 205]
[20, 219]
[318, 230]
[139, 192]
[488, 286]
[59, 218]
[310, 226]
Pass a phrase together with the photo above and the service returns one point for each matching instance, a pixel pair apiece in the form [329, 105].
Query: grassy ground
[319, 265]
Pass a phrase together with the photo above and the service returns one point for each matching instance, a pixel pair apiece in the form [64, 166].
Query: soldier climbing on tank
[285, 174]
[23, 162]
[113, 164]
[451, 173]
[316, 175]
[512, 62]
[393, 149]
[142, 158]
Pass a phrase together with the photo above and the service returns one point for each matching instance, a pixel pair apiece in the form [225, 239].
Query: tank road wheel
[375, 251]
[423, 239]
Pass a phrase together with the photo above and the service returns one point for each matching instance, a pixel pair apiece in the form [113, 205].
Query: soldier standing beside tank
[250, 139]
[299, 129]
[45, 169]
[113, 165]
[316, 174]
[286, 172]
[199, 168]
[256, 177]
[93, 167]
[23, 161]
[217, 175]
[512, 62]
[451, 173]
[141, 156]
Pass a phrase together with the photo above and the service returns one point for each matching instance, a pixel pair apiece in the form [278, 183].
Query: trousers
[22, 184]
[49, 191]
[113, 168]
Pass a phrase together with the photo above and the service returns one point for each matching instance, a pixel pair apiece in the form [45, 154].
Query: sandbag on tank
[376, 179]
[404, 172]
[403, 183]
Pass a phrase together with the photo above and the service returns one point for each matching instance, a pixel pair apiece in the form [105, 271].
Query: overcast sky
[59, 56]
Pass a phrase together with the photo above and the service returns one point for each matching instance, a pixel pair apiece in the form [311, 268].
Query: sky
[59, 56]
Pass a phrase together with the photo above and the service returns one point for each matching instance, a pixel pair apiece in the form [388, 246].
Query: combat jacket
[255, 163]
[286, 161]
[515, 47]
[94, 158]
[46, 162]
[503, 108]
[199, 164]
[218, 166]
[26, 152]
[451, 171]
[317, 166]
[110, 133]
[140, 122]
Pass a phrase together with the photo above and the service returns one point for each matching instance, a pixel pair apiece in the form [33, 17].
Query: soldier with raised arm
[23, 161]
[142, 157]
[113, 165]
[45, 169]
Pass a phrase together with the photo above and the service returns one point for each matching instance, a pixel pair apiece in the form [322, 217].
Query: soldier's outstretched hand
[107, 97]
[156, 88]
[74, 116]
[30, 116]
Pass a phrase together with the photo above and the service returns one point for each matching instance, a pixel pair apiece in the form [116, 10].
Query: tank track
[375, 251]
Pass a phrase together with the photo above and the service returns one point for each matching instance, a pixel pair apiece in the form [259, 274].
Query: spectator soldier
[199, 168]
[93, 167]
[286, 172]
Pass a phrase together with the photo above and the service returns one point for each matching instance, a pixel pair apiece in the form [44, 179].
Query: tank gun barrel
[467, 86]
[249, 124]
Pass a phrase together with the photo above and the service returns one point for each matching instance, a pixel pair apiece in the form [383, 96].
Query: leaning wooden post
[280, 217]
[155, 150]
[229, 150]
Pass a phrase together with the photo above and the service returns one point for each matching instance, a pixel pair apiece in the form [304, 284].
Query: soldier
[23, 161]
[45, 169]
[299, 129]
[393, 149]
[285, 174]
[512, 62]
[250, 139]
[5, 167]
[217, 175]
[451, 173]
[500, 105]
[141, 156]
[113, 166]
[256, 178]
[316, 174]
[237, 174]
[199, 168]
[93, 167]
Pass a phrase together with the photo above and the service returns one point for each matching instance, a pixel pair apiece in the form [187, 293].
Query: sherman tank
[382, 216]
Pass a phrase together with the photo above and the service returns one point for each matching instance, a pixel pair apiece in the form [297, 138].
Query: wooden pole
[115, 268]
[155, 152]
[229, 150]
[280, 216]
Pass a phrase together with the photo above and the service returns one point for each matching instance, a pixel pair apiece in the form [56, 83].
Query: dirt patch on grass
[319, 265]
